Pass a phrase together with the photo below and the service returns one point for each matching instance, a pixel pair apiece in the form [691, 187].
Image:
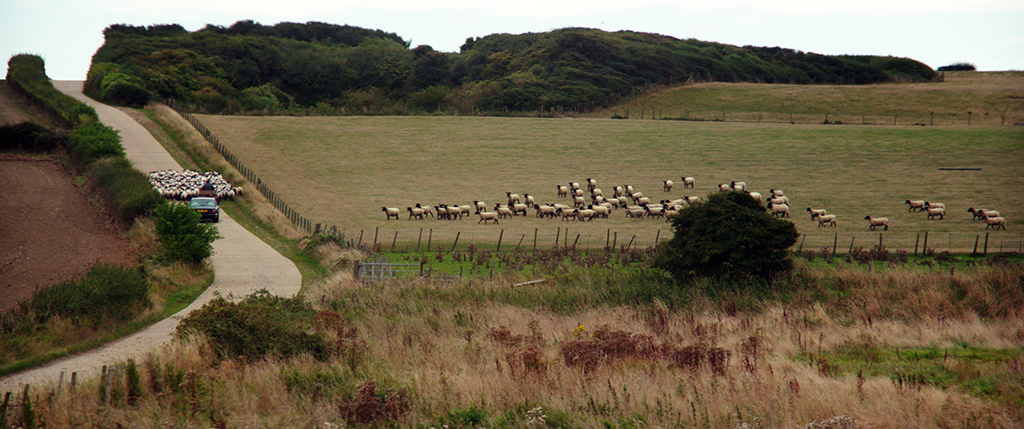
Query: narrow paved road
[241, 263]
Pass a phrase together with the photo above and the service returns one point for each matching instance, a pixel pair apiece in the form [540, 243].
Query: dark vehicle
[206, 207]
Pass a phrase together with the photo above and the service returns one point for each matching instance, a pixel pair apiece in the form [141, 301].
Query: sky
[986, 33]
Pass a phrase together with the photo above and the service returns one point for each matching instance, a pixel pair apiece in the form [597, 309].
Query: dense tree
[316, 63]
[730, 236]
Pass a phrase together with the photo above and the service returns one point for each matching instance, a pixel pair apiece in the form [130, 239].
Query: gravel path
[241, 263]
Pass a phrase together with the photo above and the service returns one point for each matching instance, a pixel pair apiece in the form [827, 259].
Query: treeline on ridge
[319, 68]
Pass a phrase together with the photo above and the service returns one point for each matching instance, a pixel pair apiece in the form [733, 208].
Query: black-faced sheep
[487, 216]
[823, 219]
[995, 222]
[688, 182]
[390, 211]
[667, 185]
[415, 212]
[877, 221]
[936, 211]
[915, 205]
[816, 212]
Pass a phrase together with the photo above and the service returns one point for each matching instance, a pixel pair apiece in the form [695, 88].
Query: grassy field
[995, 98]
[342, 170]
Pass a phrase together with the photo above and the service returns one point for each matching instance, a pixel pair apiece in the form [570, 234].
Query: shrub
[183, 237]
[730, 236]
[124, 190]
[259, 325]
[30, 137]
[94, 141]
[961, 66]
[106, 292]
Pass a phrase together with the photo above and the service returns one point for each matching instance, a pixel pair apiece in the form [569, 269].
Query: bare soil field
[49, 230]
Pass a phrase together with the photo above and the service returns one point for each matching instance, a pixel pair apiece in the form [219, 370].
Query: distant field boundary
[301, 221]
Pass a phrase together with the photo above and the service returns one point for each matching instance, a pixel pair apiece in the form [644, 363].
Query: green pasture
[342, 170]
[962, 98]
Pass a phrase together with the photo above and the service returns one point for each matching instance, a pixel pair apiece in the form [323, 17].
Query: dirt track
[241, 263]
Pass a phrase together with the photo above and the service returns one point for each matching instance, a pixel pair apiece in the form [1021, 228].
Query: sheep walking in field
[935, 211]
[487, 216]
[667, 185]
[390, 211]
[823, 219]
[995, 222]
[688, 182]
[877, 221]
[915, 205]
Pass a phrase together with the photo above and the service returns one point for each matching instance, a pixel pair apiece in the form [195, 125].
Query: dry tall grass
[409, 360]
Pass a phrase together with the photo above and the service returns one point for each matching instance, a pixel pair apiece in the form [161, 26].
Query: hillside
[318, 68]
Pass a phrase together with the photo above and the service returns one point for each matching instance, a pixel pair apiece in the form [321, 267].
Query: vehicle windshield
[203, 203]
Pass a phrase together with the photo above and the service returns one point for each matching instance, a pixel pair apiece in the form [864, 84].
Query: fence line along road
[242, 264]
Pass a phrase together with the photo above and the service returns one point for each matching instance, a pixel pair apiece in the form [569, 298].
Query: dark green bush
[183, 237]
[94, 141]
[28, 74]
[123, 189]
[258, 326]
[730, 237]
[961, 66]
[30, 137]
[105, 293]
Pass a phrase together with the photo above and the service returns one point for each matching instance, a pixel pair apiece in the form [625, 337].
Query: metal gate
[377, 271]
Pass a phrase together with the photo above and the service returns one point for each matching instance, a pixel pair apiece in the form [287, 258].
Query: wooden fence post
[457, 234]
[429, 238]
[393, 241]
[918, 240]
[835, 243]
[557, 235]
[3, 409]
[986, 243]
[500, 236]
[418, 240]
[535, 239]
[976, 238]
[924, 250]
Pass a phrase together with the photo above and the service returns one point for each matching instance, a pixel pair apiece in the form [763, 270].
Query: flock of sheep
[183, 185]
[636, 205]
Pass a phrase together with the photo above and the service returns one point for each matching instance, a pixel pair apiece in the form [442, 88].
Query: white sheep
[929, 205]
[390, 211]
[780, 210]
[618, 191]
[777, 192]
[486, 216]
[563, 191]
[629, 190]
[755, 195]
[568, 214]
[427, 210]
[518, 208]
[574, 186]
[816, 212]
[830, 219]
[688, 182]
[980, 214]
[724, 187]
[480, 205]
[995, 222]
[667, 185]
[915, 205]
[415, 212]
[877, 221]
[585, 214]
[692, 199]
[601, 211]
[545, 210]
[936, 211]
[578, 201]
[778, 200]
[738, 186]
[591, 184]
[513, 198]
[503, 211]
[528, 199]
[635, 213]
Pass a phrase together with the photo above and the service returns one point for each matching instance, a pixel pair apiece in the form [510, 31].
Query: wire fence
[827, 117]
[297, 218]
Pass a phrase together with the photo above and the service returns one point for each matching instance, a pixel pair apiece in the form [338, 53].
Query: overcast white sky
[986, 33]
